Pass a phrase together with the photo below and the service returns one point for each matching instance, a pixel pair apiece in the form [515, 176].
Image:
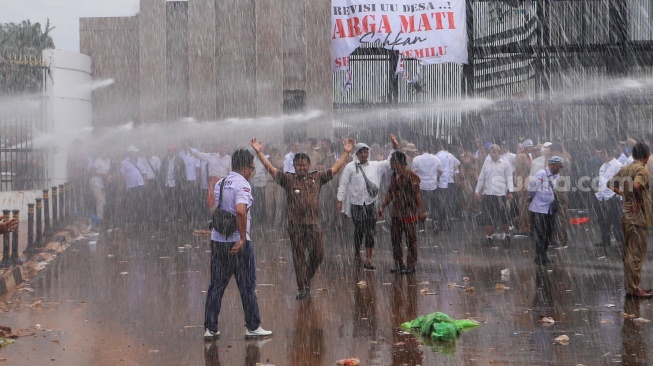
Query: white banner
[433, 31]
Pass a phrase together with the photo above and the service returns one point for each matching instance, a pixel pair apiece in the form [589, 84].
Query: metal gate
[551, 68]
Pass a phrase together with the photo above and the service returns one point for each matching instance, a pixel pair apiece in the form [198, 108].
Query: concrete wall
[235, 58]
[177, 59]
[201, 59]
[69, 106]
[240, 56]
[112, 44]
[152, 51]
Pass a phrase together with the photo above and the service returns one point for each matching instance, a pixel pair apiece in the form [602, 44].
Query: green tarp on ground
[439, 326]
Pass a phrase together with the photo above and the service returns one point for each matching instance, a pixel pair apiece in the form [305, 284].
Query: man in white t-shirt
[446, 191]
[428, 168]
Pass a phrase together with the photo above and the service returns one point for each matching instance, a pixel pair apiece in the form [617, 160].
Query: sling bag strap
[221, 188]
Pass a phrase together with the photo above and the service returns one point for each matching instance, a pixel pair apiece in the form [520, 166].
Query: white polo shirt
[236, 190]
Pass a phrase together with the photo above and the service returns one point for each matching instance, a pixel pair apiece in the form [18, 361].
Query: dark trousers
[258, 209]
[364, 220]
[223, 266]
[444, 212]
[430, 200]
[134, 205]
[153, 201]
[397, 230]
[306, 241]
[543, 225]
[171, 203]
[191, 200]
[608, 214]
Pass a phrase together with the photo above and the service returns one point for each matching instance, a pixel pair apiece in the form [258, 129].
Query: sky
[64, 15]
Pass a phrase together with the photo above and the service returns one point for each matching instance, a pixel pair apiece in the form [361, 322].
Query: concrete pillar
[319, 78]
[152, 49]
[235, 55]
[294, 45]
[177, 59]
[201, 59]
[269, 62]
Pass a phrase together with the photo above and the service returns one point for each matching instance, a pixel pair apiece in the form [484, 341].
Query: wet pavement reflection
[137, 298]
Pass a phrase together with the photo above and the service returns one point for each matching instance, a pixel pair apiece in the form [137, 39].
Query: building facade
[211, 60]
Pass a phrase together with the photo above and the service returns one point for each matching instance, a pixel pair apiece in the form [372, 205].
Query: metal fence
[22, 117]
[21, 166]
[553, 68]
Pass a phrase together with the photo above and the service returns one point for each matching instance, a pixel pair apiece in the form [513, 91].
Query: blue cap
[487, 145]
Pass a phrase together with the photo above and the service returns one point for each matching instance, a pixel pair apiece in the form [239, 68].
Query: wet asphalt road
[136, 299]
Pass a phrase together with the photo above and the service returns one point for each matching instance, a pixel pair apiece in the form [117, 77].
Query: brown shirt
[403, 191]
[303, 195]
[627, 176]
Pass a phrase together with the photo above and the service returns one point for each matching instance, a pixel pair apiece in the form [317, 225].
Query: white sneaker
[208, 335]
[259, 332]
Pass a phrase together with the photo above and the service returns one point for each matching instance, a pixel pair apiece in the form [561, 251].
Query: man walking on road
[407, 208]
[232, 253]
[494, 181]
[358, 190]
[632, 182]
[303, 197]
[428, 168]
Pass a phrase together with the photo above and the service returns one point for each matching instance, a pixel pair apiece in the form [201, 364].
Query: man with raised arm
[359, 200]
[303, 195]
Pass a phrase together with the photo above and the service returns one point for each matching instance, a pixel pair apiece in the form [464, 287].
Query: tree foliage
[20, 56]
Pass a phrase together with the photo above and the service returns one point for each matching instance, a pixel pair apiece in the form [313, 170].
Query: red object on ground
[579, 220]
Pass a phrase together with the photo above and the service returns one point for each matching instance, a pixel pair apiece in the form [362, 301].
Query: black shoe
[398, 268]
[369, 267]
[303, 294]
[408, 271]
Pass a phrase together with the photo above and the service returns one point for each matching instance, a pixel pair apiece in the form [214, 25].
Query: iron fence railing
[21, 166]
[525, 56]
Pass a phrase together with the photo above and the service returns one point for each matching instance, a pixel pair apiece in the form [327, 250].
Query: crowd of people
[311, 186]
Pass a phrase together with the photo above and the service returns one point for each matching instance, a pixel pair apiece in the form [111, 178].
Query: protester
[446, 189]
[632, 183]
[303, 198]
[357, 198]
[522, 174]
[428, 168]
[541, 190]
[99, 173]
[190, 185]
[219, 165]
[170, 179]
[232, 255]
[494, 182]
[407, 208]
[608, 207]
[134, 198]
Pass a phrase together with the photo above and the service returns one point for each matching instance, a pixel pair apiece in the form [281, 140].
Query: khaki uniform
[635, 221]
